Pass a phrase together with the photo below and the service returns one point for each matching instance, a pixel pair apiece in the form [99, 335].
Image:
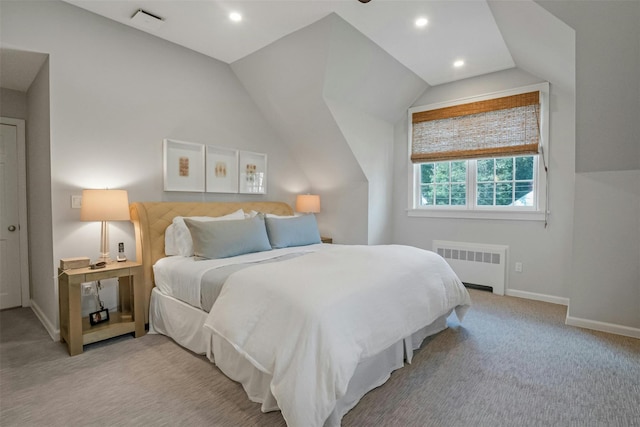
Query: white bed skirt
[183, 323]
[178, 320]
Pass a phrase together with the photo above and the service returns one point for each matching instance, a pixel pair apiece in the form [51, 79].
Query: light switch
[76, 202]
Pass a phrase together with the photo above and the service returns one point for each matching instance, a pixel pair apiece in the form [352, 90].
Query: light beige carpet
[512, 362]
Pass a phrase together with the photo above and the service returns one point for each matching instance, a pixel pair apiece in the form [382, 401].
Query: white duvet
[308, 321]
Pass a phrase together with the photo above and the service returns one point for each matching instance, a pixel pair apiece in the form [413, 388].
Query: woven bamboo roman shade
[507, 126]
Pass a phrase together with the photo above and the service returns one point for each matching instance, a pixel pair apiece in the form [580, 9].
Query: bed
[307, 328]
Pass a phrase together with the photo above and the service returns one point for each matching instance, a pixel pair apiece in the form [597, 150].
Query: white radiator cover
[476, 263]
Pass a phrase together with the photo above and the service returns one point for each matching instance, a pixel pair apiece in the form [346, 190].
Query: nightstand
[77, 331]
[326, 239]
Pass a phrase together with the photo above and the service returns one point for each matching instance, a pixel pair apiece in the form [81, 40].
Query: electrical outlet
[87, 289]
[518, 267]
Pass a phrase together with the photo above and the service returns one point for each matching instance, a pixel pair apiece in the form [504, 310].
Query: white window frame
[538, 212]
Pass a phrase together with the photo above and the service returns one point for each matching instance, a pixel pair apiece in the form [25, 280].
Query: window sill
[467, 214]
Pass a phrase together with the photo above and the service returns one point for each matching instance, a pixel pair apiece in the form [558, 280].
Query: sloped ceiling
[455, 30]
[19, 68]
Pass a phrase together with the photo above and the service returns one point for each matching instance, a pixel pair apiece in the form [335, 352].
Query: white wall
[371, 141]
[38, 137]
[605, 275]
[13, 104]
[608, 95]
[115, 93]
[606, 261]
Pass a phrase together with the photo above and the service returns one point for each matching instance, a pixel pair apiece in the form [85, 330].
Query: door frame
[22, 207]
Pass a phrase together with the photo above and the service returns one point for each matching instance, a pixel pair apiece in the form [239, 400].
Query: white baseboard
[538, 297]
[595, 325]
[611, 328]
[51, 329]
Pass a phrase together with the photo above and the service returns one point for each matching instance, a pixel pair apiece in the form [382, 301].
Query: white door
[10, 282]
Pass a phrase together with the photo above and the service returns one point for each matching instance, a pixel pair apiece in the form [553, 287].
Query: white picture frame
[221, 170]
[184, 166]
[252, 172]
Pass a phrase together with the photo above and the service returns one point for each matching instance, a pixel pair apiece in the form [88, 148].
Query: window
[480, 158]
[443, 184]
[505, 181]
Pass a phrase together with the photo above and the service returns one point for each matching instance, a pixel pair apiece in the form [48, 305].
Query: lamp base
[104, 244]
[105, 258]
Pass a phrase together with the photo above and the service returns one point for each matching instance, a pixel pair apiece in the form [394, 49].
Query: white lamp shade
[309, 203]
[105, 205]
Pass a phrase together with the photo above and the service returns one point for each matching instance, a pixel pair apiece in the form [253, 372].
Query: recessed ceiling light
[235, 17]
[459, 63]
[421, 22]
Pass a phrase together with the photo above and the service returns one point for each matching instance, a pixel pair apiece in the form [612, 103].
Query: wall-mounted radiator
[476, 264]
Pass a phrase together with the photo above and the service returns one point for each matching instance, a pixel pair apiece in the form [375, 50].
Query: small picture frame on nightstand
[99, 317]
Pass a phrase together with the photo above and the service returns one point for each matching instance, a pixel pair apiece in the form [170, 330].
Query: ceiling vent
[146, 20]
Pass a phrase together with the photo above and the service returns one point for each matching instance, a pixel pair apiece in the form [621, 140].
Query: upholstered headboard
[150, 220]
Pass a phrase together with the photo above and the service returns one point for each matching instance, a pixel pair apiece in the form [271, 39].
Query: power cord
[98, 300]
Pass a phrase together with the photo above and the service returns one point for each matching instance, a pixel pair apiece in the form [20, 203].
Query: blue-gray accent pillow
[223, 239]
[297, 231]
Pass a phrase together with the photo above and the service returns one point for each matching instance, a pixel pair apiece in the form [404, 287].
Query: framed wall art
[221, 170]
[253, 173]
[184, 166]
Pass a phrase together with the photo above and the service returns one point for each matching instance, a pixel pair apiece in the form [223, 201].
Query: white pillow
[177, 238]
[282, 216]
[251, 214]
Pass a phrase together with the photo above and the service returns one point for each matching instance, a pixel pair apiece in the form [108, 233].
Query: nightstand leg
[138, 306]
[125, 297]
[63, 305]
[75, 320]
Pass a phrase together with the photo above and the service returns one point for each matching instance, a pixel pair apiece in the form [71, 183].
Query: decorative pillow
[292, 231]
[223, 239]
[177, 239]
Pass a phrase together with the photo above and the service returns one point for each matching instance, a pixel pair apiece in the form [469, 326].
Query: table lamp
[104, 205]
[308, 203]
